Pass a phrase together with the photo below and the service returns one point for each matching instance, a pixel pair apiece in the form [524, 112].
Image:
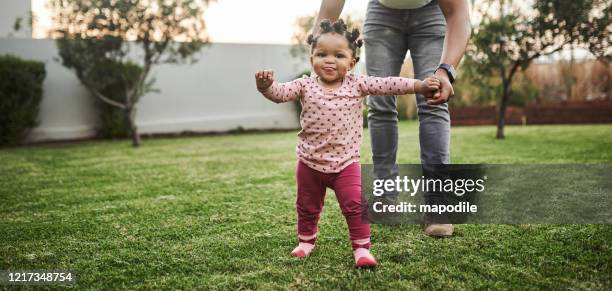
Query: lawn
[217, 212]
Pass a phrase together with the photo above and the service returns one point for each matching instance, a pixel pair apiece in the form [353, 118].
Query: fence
[544, 113]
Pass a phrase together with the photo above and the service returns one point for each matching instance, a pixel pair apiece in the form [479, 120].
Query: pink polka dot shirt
[332, 119]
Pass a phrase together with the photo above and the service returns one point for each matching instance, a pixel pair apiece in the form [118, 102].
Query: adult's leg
[385, 50]
[426, 29]
[425, 34]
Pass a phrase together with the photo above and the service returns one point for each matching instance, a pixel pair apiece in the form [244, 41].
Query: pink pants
[311, 185]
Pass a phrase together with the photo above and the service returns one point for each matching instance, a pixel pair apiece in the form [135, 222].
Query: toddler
[331, 135]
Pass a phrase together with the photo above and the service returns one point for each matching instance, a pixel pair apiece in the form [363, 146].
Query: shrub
[113, 120]
[523, 92]
[21, 91]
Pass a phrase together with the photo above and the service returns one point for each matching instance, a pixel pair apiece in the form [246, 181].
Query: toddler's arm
[399, 85]
[276, 92]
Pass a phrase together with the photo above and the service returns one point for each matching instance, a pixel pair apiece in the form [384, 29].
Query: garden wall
[216, 94]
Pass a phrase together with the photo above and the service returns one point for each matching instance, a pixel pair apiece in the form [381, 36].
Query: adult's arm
[457, 35]
[458, 29]
[330, 9]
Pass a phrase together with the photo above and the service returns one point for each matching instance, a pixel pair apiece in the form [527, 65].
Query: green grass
[218, 212]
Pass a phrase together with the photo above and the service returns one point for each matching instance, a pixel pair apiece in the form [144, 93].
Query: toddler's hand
[264, 79]
[429, 86]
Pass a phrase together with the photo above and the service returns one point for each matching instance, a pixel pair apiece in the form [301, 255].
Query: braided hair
[340, 28]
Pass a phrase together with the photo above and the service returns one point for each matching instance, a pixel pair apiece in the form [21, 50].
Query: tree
[94, 34]
[511, 37]
[304, 25]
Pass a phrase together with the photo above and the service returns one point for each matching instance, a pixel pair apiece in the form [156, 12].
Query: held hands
[264, 79]
[428, 87]
[446, 89]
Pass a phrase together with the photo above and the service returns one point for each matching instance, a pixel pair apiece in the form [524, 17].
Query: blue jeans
[389, 34]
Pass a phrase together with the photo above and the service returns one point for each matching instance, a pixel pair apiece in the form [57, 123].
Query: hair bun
[339, 26]
[354, 34]
[326, 26]
[359, 43]
[310, 39]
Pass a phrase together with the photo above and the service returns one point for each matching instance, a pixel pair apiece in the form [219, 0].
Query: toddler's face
[332, 58]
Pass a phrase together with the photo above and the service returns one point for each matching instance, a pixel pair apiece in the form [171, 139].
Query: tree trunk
[501, 114]
[500, 121]
[131, 116]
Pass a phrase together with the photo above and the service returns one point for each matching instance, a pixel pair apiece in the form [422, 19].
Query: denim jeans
[389, 34]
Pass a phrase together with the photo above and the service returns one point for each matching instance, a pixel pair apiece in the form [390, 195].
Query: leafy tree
[304, 25]
[93, 34]
[511, 37]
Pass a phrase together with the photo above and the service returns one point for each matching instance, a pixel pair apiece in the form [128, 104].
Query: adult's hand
[446, 90]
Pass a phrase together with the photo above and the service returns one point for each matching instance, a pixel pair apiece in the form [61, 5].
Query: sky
[243, 21]
[263, 21]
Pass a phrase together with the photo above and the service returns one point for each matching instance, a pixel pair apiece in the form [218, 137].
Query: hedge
[21, 90]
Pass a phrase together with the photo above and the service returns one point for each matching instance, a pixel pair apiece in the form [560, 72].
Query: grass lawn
[218, 212]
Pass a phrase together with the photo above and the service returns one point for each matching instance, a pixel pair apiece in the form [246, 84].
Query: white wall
[216, 94]
[10, 10]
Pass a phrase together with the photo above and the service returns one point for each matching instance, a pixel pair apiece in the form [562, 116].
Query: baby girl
[331, 135]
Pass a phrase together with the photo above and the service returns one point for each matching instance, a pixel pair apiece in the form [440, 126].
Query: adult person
[436, 33]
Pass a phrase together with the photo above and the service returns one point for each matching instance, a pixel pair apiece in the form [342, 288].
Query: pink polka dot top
[332, 119]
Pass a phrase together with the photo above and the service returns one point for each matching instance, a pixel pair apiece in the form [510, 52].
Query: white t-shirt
[404, 4]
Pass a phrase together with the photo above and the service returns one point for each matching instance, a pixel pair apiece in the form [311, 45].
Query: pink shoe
[364, 259]
[302, 250]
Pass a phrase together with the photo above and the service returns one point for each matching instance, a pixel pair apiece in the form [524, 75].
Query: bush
[21, 91]
[523, 92]
[113, 120]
